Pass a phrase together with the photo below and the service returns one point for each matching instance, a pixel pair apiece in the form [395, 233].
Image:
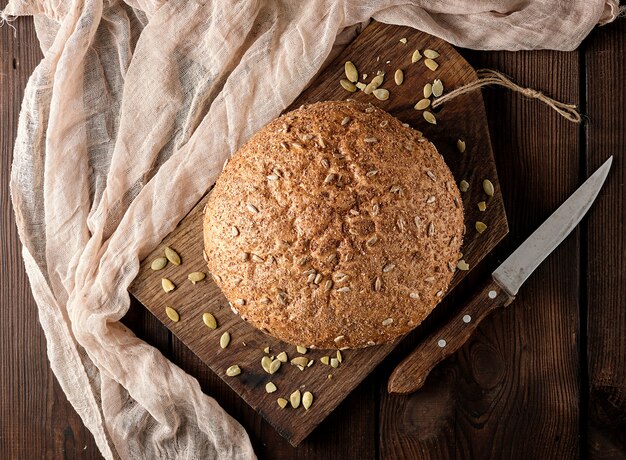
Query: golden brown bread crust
[334, 226]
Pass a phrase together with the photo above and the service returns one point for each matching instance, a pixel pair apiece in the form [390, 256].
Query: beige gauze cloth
[126, 123]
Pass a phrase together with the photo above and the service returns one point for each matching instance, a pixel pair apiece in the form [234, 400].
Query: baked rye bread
[334, 226]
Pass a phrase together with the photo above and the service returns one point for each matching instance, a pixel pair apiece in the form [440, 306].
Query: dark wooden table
[545, 378]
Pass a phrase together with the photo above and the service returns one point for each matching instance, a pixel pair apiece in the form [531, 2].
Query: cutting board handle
[411, 373]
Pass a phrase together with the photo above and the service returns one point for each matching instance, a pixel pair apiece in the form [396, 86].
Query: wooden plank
[512, 391]
[460, 118]
[36, 420]
[605, 62]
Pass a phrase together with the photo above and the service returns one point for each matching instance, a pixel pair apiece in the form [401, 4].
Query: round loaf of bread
[334, 226]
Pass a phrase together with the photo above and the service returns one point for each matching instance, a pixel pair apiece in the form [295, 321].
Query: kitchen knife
[498, 291]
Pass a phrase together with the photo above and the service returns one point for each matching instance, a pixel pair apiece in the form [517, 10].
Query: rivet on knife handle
[411, 373]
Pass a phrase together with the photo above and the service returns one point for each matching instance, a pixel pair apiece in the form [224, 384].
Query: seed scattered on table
[266, 362]
[437, 88]
[480, 226]
[194, 277]
[159, 263]
[462, 265]
[432, 65]
[225, 339]
[282, 402]
[416, 56]
[167, 285]
[282, 357]
[403, 41]
[334, 362]
[275, 366]
[351, 73]
[422, 104]
[301, 350]
[482, 206]
[270, 387]
[325, 360]
[209, 320]
[234, 370]
[429, 117]
[172, 255]
[431, 54]
[428, 90]
[300, 361]
[347, 85]
[307, 400]
[488, 187]
[398, 77]
[464, 186]
[460, 145]
[294, 399]
[339, 357]
[381, 94]
[172, 314]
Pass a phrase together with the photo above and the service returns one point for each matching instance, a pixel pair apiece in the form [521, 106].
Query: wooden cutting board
[378, 47]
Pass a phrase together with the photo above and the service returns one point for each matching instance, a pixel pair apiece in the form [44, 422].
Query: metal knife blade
[516, 269]
[499, 290]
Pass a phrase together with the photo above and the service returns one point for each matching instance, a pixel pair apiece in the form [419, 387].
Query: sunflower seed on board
[282, 357]
[432, 65]
[464, 186]
[172, 255]
[347, 85]
[209, 320]
[403, 40]
[300, 361]
[266, 350]
[422, 104]
[480, 226]
[351, 73]
[274, 366]
[334, 362]
[381, 94]
[172, 314]
[266, 362]
[460, 145]
[416, 56]
[372, 85]
[301, 350]
[437, 88]
[482, 206]
[462, 265]
[282, 402]
[488, 187]
[428, 90]
[429, 117]
[325, 360]
[270, 387]
[167, 285]
[233, 371]
[431, 54]
[225, 339]
[294, 399]
[398, 77]
[194, 277]
[307, 400]
[158, 264]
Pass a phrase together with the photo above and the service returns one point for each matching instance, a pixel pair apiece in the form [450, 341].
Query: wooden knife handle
[411, 373]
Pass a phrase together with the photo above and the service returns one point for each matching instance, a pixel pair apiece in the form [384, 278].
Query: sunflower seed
[378, 284]
[480, 227]
[225, 339]
[334, 362]
[232, 371]
[300, 361]
[422, 104]
[172, 255]
[431, 229]
[301, 350]
[390, 266]
[275, 366]
[414, 295]
[158, 263]
[194, 277]
[344, 289]
[381, 94]
[398, 77]
[270, 387]
[351, 73]
[432, 65]
[431, 54]
[429, 117]
[209, 320]
[370, 140]
[437, 88]
[252, 208]
[431, 200]
[266, 362]
[294, 399]
[428, 90]
[282, 357]
[345, 121]
[488, 187]
[167, 285]
[462, 265]
[347, 85]
[172, 314]
[388, 322]
[307, 400]
[416, 56]
[460, 145]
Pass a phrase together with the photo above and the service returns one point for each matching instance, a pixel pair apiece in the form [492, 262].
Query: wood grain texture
[36, 420]
[605, 58]
[462, 118]
[512, 390]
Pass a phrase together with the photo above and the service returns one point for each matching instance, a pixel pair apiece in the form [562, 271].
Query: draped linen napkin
[126, 123]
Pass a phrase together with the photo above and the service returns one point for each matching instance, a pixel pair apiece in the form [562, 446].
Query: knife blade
[500, 289]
